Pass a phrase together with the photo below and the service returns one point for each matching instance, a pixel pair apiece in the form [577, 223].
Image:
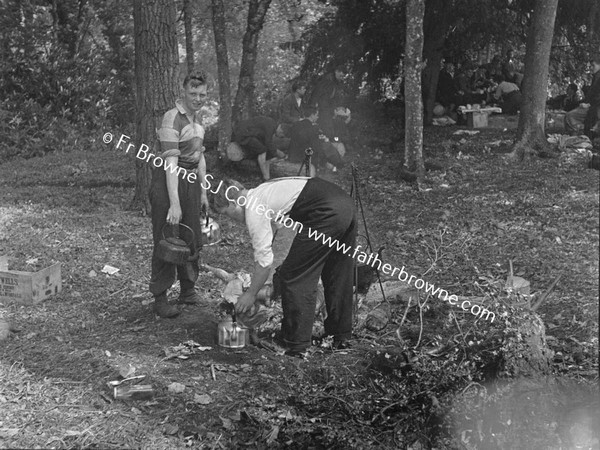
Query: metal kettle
[175, 250]
[211, 231]
[232, 335]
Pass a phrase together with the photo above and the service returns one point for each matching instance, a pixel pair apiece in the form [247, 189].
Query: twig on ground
[421, 306]
[546, 294]
[212, 372]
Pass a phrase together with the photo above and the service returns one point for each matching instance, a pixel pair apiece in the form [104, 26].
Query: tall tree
[189, 37]
[530, 132]
[243, 106]
[218, 21]
[156, 76]
[413, 64]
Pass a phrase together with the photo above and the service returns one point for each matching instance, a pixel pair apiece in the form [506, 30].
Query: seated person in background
[585, 116]
[306, 134]
[494, 68]
[509, 68]
[508, 95]
[571, 99]
[291, 108]
[253, 138]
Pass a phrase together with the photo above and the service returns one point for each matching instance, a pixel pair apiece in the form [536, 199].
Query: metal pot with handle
[175, 250]
[211, 231]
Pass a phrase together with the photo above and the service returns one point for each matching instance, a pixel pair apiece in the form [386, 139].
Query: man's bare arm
[174, 214]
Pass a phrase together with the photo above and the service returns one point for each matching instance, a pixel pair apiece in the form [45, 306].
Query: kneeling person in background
[253, 139]
[311, 205]
[306, 134]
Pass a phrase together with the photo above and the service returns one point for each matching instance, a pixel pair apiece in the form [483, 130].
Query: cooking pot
[175, 250]
[211, 231]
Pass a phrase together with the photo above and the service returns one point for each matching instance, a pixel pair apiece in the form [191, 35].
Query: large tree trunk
[436, 26]
[189, 39]
[156, 76]
[244, 98]
[530, 132]
[413, 64]
[218, 20]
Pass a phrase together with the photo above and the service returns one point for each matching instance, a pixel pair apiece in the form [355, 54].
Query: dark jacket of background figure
[290, 112]
[593, 98]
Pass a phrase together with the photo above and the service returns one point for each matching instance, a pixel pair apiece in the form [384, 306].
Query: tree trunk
[436, 26]
[244, 98]
[156, 76]
[189, 40]
[530, 132]
[413, 64]
[218, 20]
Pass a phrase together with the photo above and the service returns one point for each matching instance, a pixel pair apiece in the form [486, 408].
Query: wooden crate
[477, 119]
[29, 287]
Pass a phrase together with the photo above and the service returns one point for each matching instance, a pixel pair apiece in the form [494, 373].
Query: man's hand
[245, 303]
[174, 214]
[204, 206]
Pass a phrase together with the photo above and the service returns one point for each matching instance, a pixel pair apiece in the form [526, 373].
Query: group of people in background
[319, 124]
[498, 82]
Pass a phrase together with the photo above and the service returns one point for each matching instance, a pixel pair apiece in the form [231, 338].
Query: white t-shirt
[267, 206]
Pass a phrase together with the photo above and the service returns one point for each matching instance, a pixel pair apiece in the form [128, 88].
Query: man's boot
[188, 294]
[163, 308]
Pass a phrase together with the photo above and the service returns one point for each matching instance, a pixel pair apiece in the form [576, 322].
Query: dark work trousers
[512, 102]
[164, 274]
[325, 207]
[254, 146]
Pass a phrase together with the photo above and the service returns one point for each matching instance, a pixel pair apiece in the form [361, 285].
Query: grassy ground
[459, 232]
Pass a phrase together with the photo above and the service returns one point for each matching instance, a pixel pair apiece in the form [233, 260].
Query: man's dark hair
[309, 110]
[298, 84]
[194, 80]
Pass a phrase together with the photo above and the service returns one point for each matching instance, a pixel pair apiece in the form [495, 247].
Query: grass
[459, 233]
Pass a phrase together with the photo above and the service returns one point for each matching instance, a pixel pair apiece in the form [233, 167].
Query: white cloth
[267, 207]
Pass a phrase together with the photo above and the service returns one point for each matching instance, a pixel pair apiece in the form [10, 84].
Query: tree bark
[189, 39]
[156, 76]
[530, 132]
[218, 20]
[243, 106]
[413, 64]
[436, 26]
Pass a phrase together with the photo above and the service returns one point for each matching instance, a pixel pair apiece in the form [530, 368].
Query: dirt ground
[389, 390]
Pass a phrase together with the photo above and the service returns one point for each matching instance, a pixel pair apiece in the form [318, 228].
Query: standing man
[174, 199]
[327, 95]
[291, 107]
[253, 139]
[585, 117]
[312, 205]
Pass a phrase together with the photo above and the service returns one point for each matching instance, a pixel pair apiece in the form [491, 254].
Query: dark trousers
[511, 103]
[254, 146]
[325, 207]
[164, 274]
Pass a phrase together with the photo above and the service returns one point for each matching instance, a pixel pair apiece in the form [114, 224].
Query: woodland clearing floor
[461, 231]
